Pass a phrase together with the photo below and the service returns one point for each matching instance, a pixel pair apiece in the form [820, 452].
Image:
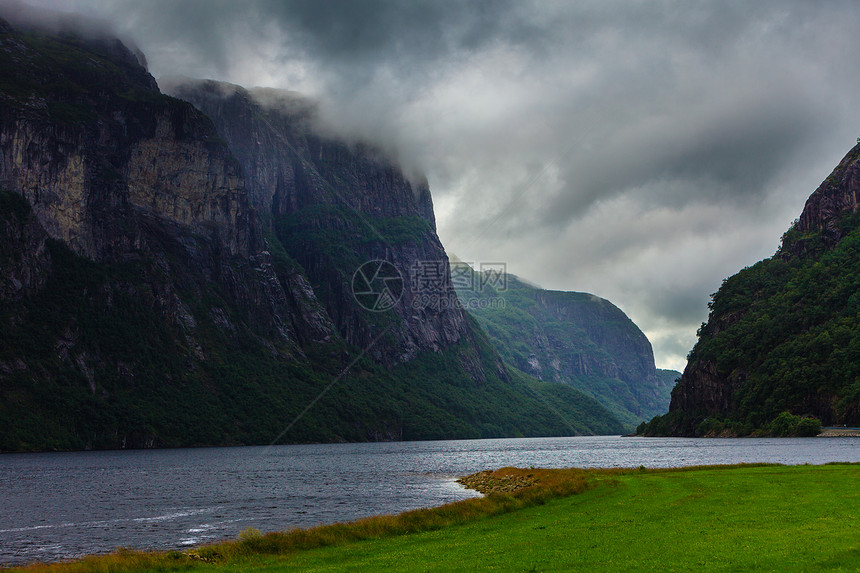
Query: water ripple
[58, 506]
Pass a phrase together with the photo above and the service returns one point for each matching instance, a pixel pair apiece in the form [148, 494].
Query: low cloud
[640, 151]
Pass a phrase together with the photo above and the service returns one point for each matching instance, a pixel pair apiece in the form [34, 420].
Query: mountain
[784, 334]
[668, 378]
[165, 281]
[334, 206]
[571, 338]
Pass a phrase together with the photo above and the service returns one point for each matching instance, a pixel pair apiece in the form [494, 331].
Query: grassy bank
[737, 518]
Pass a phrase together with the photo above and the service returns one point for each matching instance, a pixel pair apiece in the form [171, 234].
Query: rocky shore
[840, 433]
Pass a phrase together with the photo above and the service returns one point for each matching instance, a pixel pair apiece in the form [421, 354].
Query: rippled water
[62, 505]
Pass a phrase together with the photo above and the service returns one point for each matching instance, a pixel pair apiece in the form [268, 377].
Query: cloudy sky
[641, 151]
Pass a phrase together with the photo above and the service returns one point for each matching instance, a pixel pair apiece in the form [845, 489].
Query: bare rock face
[87, 139]
[47, 167]
[627, 349]
[703, 388]
[25, 262]
[116, 171]
[290, 163]
[837, 194]
[316, 188]
[192, 183]
[91, 206]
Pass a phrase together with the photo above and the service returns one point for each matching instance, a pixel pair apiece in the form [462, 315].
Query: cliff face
[290, 163]
[628, 354]
[336, 205]
[836, 196]
[88, 139]
[84, 198]
[164, 284]
[125, 218]
[703, 388]
[782, 335]
[25, 262]
[113, 169]
[576, 339]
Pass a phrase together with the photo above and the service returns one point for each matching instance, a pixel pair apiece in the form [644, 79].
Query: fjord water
[62, 505]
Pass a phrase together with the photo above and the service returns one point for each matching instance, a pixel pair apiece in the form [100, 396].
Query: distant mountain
[168, 278]
[784, 334]
[669, 378]
[572, 338]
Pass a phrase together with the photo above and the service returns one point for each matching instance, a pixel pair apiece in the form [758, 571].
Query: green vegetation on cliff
[572, 338]
[784, 334]
[230, 388]
[150, 297]
[793, 341]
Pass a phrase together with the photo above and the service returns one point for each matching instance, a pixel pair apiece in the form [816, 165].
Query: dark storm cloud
[639, 150]
[353, 38]
[372, 31]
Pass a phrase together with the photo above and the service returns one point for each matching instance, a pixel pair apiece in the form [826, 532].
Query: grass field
[739, 518]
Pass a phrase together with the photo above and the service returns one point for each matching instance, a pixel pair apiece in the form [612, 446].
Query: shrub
[783, 425]
[249, 534]
[710, 427]
[787, 424]
[808, 427]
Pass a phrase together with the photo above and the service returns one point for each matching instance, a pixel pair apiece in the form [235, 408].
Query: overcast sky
[640, 151]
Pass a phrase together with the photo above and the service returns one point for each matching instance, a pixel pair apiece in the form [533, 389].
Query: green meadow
[727, 518]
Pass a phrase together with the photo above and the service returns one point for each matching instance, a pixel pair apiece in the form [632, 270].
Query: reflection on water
[64, 505]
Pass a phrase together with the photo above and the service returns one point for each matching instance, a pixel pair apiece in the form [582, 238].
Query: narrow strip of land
[836, 432]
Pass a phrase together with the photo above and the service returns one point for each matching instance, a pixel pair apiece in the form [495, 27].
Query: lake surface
[61, 505]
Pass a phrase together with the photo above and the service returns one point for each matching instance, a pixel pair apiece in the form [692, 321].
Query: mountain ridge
[150, 299]
[784, 334]
[572, 338]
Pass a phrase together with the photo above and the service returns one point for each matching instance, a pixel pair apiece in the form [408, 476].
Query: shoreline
[582, 452]
[505, 490]
[839, 433]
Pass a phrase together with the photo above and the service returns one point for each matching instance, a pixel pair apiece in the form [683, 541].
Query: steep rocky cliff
[572, 338]
[837, 196]
[335, 205]
[25, 262]
[784, 334]
[135, 211]
[158, 288]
